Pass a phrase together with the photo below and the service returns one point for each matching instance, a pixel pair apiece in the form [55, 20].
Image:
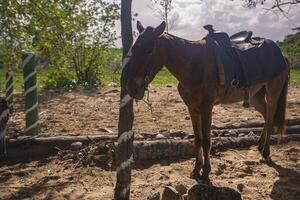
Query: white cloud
[224, 15]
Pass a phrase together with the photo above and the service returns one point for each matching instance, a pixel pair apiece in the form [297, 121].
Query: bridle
[150, 65]
[149, 61]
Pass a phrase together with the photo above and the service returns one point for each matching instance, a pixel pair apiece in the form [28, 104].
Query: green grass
[18, 80]
[295, 77]
[164, 77]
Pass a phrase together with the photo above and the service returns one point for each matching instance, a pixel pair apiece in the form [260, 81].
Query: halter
[149, 68]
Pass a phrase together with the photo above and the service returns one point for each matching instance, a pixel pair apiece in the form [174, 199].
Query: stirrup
[246, 103]
[234, 83]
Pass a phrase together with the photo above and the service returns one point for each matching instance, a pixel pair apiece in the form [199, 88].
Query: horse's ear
[160, 29]
[139, 26]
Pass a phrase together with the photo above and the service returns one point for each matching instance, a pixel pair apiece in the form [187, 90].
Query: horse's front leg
[196, 121]
[206, 117]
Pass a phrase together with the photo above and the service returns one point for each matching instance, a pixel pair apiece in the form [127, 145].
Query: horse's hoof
[195, 175]
[204, 180]
[266, 160]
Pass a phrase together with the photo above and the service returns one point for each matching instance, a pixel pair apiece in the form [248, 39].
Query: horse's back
[263, 63]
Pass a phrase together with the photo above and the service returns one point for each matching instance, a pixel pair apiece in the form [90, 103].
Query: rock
[106, 130]
[148, 136]
[251, 134]
[187, 118]
[190, 135]
[170, 193]
[155, 196]
[214, 133]
[209, 192]
[181, 189]
[76, 145]
[231, 134]
[185, 197]
[247, 170]
[160, 137]
[220, 169]
[138, 137]
[242, 134]
[180, 134]
[165, 133]
[240, 187]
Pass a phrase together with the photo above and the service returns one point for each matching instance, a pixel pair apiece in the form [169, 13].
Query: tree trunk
[126, 26]
[124, 155]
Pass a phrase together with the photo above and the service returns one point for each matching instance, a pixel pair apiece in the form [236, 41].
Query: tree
[125, 148]
[276, 4]
[126, 26]
[163, 8]
[69, 34]
[291, 47]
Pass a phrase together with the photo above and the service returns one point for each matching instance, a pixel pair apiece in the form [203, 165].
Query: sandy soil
[55, 179]
[86, 112]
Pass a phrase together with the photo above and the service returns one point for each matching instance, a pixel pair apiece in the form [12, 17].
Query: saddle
[245, 60]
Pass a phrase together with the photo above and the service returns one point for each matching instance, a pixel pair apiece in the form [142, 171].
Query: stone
[154, 196]
[106, 130]
[165, 133]
[170, 193]
[242, 134]
[190, 135]
[251, 134]
[187, 118]
[138, 137]
[182, 189]
[209, 192]
[240, 187]
[180, 134]
[220, 169]
[76, 145]
[160, 137]
[231, 134]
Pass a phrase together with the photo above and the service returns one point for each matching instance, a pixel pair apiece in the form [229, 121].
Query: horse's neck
[172, 53]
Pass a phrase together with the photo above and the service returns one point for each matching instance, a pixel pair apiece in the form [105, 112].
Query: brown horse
[194, 64]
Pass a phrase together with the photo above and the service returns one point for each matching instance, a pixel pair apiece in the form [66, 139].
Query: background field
[109, 76]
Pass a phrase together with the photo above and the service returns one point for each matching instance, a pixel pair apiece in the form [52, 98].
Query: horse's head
[142, 61]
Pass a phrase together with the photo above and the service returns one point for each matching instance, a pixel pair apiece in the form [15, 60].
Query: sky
[189, 16]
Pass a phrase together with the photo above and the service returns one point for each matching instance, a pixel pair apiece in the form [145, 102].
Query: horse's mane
[171, 37]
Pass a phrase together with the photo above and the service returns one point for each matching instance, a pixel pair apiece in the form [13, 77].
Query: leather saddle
[242, 40]
[231, 52]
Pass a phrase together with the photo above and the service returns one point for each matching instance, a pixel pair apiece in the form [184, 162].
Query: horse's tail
[279, 118]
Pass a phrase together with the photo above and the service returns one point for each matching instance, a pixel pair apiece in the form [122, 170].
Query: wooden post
[30, 93]
[4, 115]
[125, 135]
[9, 89]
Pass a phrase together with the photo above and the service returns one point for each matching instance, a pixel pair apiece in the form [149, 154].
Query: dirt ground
[55, 179]
[82, 112]
[88, 112]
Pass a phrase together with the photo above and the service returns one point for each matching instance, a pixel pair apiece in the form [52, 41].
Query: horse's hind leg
[259, 103]
[196, 121]
[273, 91]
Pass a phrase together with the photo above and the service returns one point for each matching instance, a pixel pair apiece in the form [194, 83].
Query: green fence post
[9, 89]
[30, 93]
[4, 115]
